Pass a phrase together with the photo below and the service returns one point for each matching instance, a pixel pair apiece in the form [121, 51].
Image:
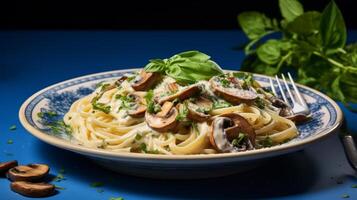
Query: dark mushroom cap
[32, 189]
[139, 110]
[5, 166]
[30, 172]
[234, 95]
[183, 94]
[145, 80]
[199, 103]
[241, 125]
[165, 120]
[226, 127]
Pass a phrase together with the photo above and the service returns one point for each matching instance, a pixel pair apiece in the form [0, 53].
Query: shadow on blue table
[284, 175]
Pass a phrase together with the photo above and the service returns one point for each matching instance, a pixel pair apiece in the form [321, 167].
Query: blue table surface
[32, 60]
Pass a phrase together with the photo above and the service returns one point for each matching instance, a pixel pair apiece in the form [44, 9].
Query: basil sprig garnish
[186, 67]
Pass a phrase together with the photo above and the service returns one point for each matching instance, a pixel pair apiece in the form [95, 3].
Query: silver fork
[299, 105]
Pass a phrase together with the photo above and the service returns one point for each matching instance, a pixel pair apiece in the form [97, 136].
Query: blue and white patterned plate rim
[26, 111]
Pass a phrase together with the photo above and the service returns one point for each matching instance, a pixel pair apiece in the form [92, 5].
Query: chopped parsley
[259, 103]
[203, 110]
[225, 83]
[266, 142]
[116, 198]
[239, 141]
[183, 111]
[9, 141]
[59, 187]
[138, 137]
[60, 176]
[100, 106]
[12, 128]
[151, 106]
[143, 149]
[58, 127]
[220, 104]
[49, 113]
[127, 101]
[97, 184]
[104, 87]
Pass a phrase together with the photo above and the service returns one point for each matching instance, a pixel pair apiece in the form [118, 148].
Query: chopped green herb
[225, 83]
[259, 103]
[220, 104]
[345, 196]
[138, 137]
[248, 81]
[203, 110]
[116, 198]
[12, 128]
[104, 87]
[127, 101]
[195, 128]
[143, 147]
[151, 106]
[266, 142]
[47, 113]
[59, 178]
[183, 111]
[237, 142]
[354, 186]
[9, 141]
[96, 184]
[59, 187]
[58, 127]
[100, 106]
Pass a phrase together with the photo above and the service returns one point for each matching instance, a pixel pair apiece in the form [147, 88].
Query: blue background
[32, 60]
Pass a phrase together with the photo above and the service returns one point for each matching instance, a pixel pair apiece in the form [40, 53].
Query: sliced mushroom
[183, 94]
[286, 111]
[5, 166]
[241, 125]
[218, 137]
[234, 94]
[145, 80]
[225, 128]
[194, 108]
[120, 80]
[140, 108]
[31, 172]
[32, 189]
[165, 120]
[298, 118]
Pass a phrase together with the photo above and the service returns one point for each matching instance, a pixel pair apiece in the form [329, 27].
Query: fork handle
[350, 150]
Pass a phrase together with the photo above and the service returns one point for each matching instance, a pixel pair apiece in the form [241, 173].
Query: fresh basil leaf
[194, 55]
[156, 65]
[332, 28]
[269, 52]
[290, 9]
[255, 24]
[305, 24]
[186, 67]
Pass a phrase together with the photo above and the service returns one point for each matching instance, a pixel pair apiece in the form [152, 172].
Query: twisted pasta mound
[148, 112]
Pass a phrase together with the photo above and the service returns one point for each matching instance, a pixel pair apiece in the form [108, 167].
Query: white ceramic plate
[326, 118]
